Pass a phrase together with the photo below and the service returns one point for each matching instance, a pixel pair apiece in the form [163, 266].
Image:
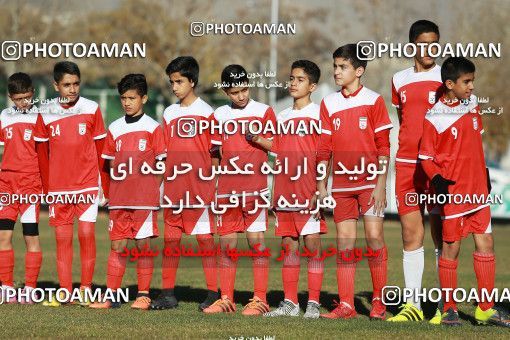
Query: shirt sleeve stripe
[384, 127]
[100, 136]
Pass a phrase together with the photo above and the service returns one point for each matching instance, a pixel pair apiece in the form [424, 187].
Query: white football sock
[414, 263]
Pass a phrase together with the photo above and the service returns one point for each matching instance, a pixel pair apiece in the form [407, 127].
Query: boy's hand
[251, 137]
[441, 184]
[379, 198]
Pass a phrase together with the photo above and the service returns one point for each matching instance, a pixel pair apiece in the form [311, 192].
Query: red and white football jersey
[185, 145]
[452, 141]
[349, 127]
[413, 93]
[71, 132]
[128, 146]
[235, 145]
[17, 136]
[293, 149]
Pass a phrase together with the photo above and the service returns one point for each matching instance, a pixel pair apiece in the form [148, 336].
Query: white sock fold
[414, 263]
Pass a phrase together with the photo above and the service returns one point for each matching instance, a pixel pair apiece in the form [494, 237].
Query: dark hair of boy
[351, 52]
[422, 26]
[310, 68]
[454, 67]
[19, 83]
[65, 67]
[133, 82]
[187, 66]
[233, 75]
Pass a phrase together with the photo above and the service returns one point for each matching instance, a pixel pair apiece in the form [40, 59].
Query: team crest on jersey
[82, 128]
[142, 144]
[362, 123]
[27, 134]
[432, 97]
[475, 123]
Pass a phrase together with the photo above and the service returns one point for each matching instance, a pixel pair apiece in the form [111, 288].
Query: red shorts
[410, 182]
[193, 221]
[239, 220]
[477, 222]
[83, 210]
[21, 184]
[133, 224]
[295, 224]
[350, 205]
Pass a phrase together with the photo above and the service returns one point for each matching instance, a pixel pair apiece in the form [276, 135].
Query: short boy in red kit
[191, 148]
[20, 175]
[239, 146]
[355, 134]
[134, 142]
[452, 156]
[298, 150]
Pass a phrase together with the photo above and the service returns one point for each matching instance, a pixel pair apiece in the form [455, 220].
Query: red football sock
[315, 276]
[378, 269]
[260, 276]
[448, 279]
[64, 236]
[206, 244]
[290, 276]
[228, 269]
[144, 269]
[485, 270]
[116, 269]
[33, 260]
[345, 272]
[7, 267]
[86, 235]
[170, 264]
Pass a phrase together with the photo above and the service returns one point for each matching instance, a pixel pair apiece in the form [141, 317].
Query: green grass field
[186, 322]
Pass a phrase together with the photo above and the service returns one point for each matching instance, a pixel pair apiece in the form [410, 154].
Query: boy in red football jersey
[452, 156]
[132, 140]
[355, 132]
[72, 128]
[298, 150]
[414, 91]
[20, 175]
[187, 148]
[239, 219]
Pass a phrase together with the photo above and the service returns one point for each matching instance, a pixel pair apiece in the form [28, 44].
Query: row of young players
[354, 123]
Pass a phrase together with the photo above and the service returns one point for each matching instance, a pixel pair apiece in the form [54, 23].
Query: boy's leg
[120, 231]
[33, 256]
[206, 245]
[227, 266]
[173, 235]
[452, 235]
[87, 215]
[64, 237]
[144, 266]
[260, 264]
[87, 238]
[346, 269]
[315, 267]
[290, 269]
[409, 181]
[116, 264]
[484, 262]
[6, 253]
